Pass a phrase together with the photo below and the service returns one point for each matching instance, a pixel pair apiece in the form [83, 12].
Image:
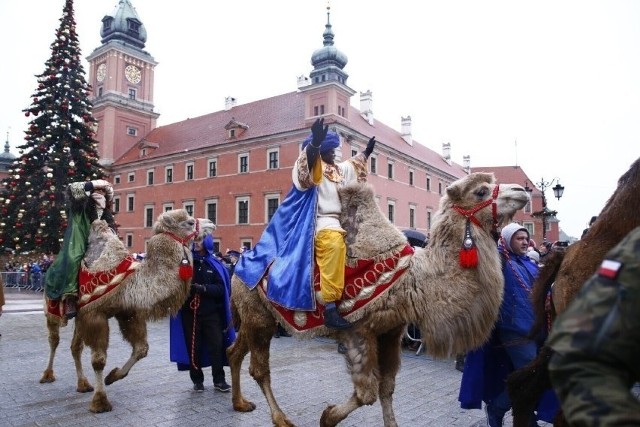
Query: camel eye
[482, 193]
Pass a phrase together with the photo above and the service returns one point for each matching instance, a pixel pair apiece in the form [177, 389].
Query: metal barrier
[22, 280]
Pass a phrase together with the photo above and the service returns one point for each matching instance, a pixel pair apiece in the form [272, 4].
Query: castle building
[233, 166]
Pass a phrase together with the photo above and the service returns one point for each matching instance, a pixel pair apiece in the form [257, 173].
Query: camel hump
[369, 232]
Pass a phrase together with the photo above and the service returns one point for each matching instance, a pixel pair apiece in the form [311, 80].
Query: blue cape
[177, 344]
[286, 245]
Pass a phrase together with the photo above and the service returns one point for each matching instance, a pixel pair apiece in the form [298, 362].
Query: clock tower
[121, 73]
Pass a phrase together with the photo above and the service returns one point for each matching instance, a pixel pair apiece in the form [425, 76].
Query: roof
[280, 114]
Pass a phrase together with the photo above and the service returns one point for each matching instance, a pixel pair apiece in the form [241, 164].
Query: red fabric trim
[363, 283]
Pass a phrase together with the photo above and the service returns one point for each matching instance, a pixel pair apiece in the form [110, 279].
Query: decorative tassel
[186, 270]
[468, 252]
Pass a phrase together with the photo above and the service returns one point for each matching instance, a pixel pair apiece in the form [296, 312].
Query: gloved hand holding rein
[370, 145]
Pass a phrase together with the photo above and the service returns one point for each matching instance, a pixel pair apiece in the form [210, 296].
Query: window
[527, 208]
[429, 218]
[411, 178]
[167, 207]
[392, 211]
[211, 210]
[245, 244]
[212, 167]
[188, 206]
[100, 91]
[116, 204]
[354, 152]
[440, 188]
[150, 177]
[131, 131]
[148, 216]
[243, 163]
[273, 155]
[272, 205]
[130, 202]
[318, 110]
[168, 174]
[132, 93]
[232, 133]
[131, 177]
[133, 26]
[428, 183]
[188, 175]
[129, 240]
[243, 210]
[412, 217]
[373, 165]
[529, 227]
[390, 170]
[116, 179]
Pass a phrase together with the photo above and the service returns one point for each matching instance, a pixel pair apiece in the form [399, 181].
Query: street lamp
[558, 190]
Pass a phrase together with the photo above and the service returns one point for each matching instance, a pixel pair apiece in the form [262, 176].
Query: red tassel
[468, 252]
[469, 257]
[186, 270]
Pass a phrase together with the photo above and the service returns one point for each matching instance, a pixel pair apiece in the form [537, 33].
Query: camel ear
[454, 193]
[163, 223]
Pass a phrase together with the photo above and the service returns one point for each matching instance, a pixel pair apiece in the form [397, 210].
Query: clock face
[102, 72]
[133, 74]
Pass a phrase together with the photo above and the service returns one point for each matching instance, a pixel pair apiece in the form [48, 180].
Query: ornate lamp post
[558, 190]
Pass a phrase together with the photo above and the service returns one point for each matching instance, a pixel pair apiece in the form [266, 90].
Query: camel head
[486, 203]
[182, 226]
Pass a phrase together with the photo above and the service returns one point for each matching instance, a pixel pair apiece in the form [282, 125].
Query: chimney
[466, 163]
[405, 129]
[366, 102]
[446, 152]
[303, 81]
[229, 103]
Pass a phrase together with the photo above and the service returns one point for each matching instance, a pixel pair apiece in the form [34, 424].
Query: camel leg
[94, 331]
[362, 361]
[134, 331]
[77, 345]
[527, 385]
[389, 352]
[53, 328]
[235, 355]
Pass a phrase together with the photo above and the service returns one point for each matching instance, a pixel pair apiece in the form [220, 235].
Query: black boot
[70, 306]
[332, 318]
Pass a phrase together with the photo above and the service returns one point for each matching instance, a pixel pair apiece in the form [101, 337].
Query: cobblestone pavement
[307, 376]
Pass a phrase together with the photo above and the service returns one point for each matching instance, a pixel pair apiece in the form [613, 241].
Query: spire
[328, 62]
[124, 24]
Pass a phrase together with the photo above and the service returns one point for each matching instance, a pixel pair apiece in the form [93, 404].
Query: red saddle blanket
[364, 282]
[93, 286]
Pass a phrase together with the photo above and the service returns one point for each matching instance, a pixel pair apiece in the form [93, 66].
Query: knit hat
[508, 231]
[331, 141]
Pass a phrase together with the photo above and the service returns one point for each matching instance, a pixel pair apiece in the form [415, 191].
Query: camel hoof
[84, 386]
[100, 403]
[326, 420]
[244, 406]
[281, 420]
[114, 376]
[47, 376]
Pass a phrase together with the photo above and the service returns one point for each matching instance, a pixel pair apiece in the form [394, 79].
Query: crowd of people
[26, 271]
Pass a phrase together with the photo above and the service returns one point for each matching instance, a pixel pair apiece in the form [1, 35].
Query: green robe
[62, 276]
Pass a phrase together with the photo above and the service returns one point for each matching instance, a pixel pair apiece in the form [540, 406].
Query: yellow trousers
[331, 252]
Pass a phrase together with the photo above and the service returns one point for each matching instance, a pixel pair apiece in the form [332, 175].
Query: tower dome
[125, 25]
[328, 62]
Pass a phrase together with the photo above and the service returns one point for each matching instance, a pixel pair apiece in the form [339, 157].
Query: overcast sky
[552, 86]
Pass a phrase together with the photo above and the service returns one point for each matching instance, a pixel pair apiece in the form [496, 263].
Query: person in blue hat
[306, 229]
[202, 329]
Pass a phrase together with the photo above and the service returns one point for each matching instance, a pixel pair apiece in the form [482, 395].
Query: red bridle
[470, 213]
[183, 241]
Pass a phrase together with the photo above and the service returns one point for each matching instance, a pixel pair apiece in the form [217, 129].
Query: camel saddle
[365, 281]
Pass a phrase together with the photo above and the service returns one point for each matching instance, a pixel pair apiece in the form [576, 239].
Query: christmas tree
[59, 148]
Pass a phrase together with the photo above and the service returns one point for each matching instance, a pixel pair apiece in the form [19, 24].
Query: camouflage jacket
[597, 343]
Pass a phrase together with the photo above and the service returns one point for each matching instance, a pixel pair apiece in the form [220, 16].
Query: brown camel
[152, 291]
[567, 271]
[454, 307]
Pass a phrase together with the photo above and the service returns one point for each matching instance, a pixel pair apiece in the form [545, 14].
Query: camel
[567, 271]
[152, 291]
[454, 307]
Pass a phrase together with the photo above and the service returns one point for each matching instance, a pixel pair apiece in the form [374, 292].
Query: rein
[470, 213]
[183, 241]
